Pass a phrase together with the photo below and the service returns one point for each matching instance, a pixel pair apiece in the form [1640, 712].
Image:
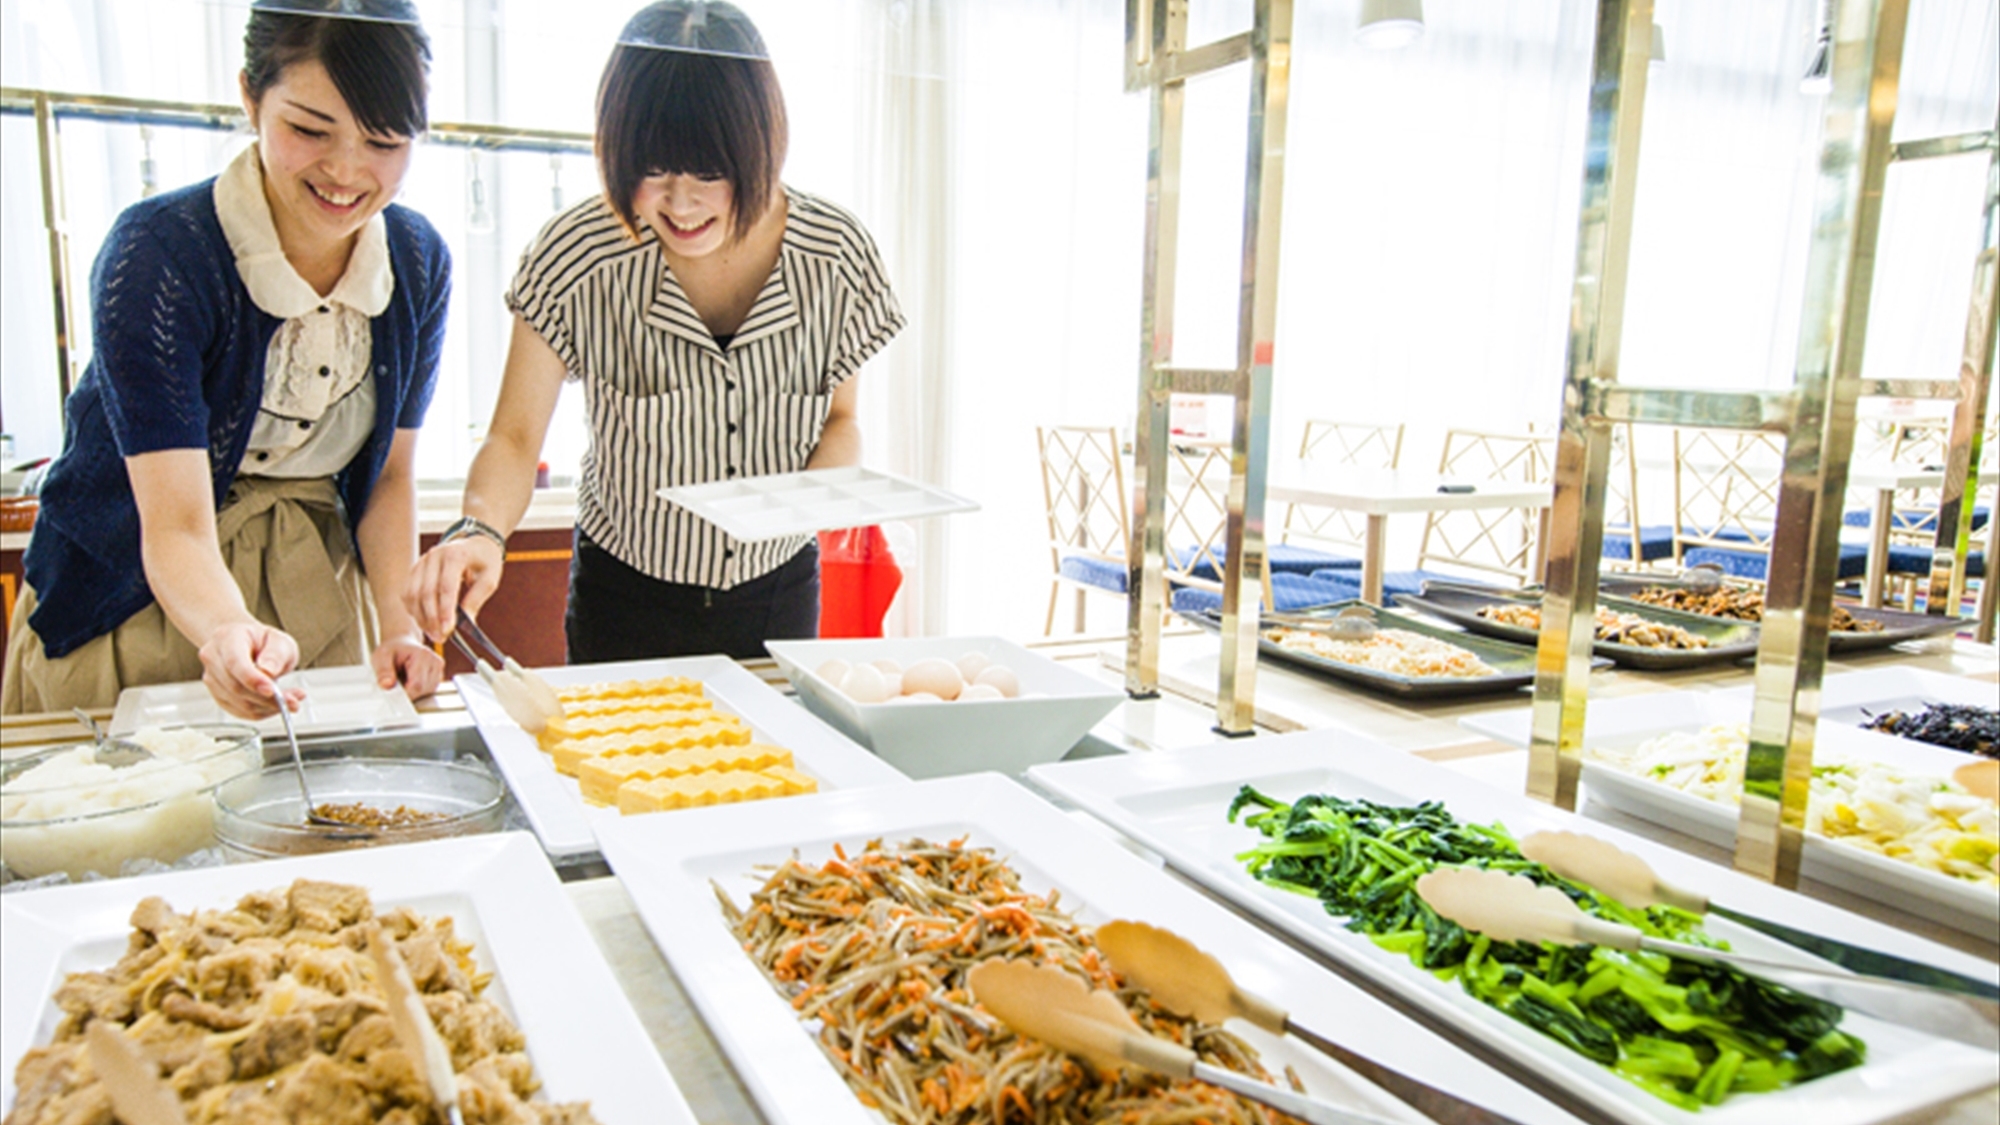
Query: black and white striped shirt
[668, 406]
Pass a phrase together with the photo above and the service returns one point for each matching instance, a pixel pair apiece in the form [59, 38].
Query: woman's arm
[840, 439]
[466, 571]
[240, 656]
[388, 538]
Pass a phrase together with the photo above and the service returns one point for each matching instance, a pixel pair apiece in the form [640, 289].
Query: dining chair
[1726, 503]
[1913, 512]
[1367, 445]
[1083, 491]
[1197, 527]
[1630, 544]
[1499, 542]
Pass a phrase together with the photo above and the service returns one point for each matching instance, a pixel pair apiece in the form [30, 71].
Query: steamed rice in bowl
[63, 811]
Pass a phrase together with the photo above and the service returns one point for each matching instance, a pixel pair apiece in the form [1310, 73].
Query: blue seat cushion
[1917, 560]
[1394, 582]
[1656, 541]
[1096, 573]
[1279, 558]
[1906, 518]
[1293, 592]
[1755, 564]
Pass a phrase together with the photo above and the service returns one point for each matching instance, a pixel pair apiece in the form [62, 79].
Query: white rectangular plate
[1175, 802]
[584, 1039]
[666, 864]
[338, 701]
[554, 804]
[781, 504]
[1849, 698]
[1618, 724]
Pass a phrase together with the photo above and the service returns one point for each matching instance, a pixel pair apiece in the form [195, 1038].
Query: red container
[858, 578]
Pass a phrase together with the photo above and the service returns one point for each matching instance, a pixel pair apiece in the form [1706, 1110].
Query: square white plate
[1849, 698]
[584, 1039]
[338, 701]
[555, 805]
[1620, 724]
[1056, 708]
[1175, 802]
[666, 864]
[770, 507]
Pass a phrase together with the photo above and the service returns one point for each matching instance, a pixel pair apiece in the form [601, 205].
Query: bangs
[379, 68]
[661, 111]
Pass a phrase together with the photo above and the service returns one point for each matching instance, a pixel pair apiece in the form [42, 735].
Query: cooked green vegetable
[1687, 1031]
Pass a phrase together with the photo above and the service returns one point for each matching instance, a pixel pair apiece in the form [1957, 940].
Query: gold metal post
[48, 148]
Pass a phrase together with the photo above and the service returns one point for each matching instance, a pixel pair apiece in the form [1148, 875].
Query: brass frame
[1817, 415]
[1159, 61]
[50, 107]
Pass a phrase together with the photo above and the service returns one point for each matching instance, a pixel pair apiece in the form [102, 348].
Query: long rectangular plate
[554, 804]
[1175, 802]
[583, 1037]
[667, 865]
[1728, 640]
[1897, 625]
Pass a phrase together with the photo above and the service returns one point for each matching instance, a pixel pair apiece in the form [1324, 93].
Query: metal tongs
[1703, 578]
[1355, 623]
[526, 697]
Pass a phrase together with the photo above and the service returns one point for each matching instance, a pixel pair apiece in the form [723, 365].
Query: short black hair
[712, 108]
[380, 67]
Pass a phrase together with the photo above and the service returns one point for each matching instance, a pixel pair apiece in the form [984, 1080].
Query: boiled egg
[1000, 677]
[865, 684]
[938, 677]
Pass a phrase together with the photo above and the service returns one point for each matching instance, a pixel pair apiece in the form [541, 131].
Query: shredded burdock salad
[872, 950]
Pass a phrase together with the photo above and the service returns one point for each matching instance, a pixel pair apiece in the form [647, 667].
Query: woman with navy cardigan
[236, 495]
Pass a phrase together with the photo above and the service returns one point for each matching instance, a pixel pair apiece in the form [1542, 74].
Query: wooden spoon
[139, 1096]
[1049, 1004]
[1183, 979]
[414, 1032]
[1981, 778]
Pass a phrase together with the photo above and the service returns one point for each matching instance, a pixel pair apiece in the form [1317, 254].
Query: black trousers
[617, 613]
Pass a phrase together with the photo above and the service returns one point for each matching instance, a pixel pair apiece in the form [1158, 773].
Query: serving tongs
[130, 1077]
[414, 1032]
[526, 697]
[1355, 623]
[1632, 882]
[1046, 1003]
[1187, 981]
[1514, 908]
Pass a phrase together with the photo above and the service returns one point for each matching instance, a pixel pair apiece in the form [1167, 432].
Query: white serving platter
[1056, 708]
[583, 1037]
[1850, 698]
[770, 507]
[554, 804]
[338, 701]
[1175, 803]
[667, 863]
[1620, 724]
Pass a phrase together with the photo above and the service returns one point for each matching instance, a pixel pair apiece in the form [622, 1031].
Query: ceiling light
[1819, 69]
[1388, 24]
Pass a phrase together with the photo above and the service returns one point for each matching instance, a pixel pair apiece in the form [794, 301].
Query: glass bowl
[262, 815]
[61, 810]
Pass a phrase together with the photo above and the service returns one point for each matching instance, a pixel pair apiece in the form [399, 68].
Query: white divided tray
[338, 701]
[771, 507]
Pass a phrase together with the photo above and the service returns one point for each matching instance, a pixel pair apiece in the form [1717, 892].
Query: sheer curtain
[1430, 211]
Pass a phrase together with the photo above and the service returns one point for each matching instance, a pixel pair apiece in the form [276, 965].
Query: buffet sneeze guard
[1158, 60]
[1815, 416]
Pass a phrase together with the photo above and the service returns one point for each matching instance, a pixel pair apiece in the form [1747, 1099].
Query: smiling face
[323, 175]
[693, 216]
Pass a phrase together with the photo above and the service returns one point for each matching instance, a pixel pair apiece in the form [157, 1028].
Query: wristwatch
[471, 525]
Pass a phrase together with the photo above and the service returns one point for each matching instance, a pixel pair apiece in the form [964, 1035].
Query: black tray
[1728, 640]
[1897, 625]
[1513, 664]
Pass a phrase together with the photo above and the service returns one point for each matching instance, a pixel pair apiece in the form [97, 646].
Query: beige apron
[287, 545]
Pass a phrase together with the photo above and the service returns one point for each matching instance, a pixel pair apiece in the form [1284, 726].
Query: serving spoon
[299, 771]
[1632, 882]
[1355, 623]
[115, 752]
[1184, 979]
[1508, 907]
[1046, 1003]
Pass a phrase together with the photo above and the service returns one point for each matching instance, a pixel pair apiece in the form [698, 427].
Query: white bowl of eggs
[936, 706]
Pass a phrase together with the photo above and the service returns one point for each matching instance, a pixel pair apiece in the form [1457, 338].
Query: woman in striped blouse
[716, 319]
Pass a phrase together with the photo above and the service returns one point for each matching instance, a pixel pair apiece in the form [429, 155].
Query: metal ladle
[299, 763]
[114, 752]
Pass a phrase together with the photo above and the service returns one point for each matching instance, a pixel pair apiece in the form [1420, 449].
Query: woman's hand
[241, 663]
[462, 572]
[410, 662]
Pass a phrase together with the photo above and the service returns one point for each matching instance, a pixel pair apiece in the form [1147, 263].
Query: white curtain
[1430, 211]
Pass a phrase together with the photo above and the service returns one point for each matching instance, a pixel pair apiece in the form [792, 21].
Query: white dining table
[1381, 493]
[1885, 480]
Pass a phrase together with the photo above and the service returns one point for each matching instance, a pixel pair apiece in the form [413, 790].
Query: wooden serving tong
[526, 697]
